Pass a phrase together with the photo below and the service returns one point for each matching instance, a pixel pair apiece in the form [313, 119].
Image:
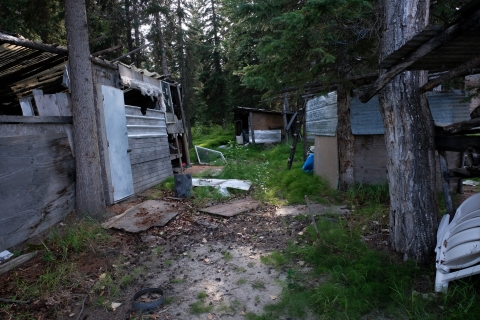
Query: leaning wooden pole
[89, 192]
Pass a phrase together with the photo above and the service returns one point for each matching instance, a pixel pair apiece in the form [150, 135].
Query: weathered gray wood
[26, 105]
[37, 185]
[445, 187]
[440, 39]
[462, 126]
[460, 182]
[46, 105]
[63, 103]
[183, 185]
[370, 159]
[33, 119]
[108, 50]
[32, 45]
[9, 265]
[232, 208]
[459, 71]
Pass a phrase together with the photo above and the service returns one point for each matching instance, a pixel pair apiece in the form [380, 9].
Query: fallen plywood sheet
[232, 208]
[151, 213]
[222, 184]
[316, 209]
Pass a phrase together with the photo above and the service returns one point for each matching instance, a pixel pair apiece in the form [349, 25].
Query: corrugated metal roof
[446, 107]
[321, 115]
[18, 63]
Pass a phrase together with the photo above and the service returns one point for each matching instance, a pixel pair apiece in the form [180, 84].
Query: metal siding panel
[365, 118]
[116, 128]
[321, 115]
[446, 108]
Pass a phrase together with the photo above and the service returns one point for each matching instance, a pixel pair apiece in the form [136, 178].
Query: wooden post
[446, 189]
[250, 120]
[304, 132]
[284, 113]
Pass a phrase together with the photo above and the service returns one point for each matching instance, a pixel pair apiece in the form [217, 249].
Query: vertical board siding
[267, 121]
[321, 116]
[326, 159]
[148, 141]
[37, 185]
[370, 159]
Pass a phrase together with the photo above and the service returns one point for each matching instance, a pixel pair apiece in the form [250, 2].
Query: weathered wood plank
[9, 265]
[33, 119]
[26, 105]
[46, 105]
[37, 185]
[456, 143]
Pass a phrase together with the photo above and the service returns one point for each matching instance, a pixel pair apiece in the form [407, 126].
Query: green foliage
[275, 259]
[353, 282]
[73, 238]
[199, 307]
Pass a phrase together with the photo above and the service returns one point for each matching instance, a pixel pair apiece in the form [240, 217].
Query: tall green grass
[350, 281]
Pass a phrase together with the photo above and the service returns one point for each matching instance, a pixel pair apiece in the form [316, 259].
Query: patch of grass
[275, 259]
[168, 184]
[168, 263]
[227, 256]
[241, 282]
[240, 269]
[258, 285]
[106, 286]
[177, 280]
[157, 250]
[250, 264]
[202, 295]
[170, 300]
[205, 194]
[357, 281]
[125, 281]
[73, 238]
[199, 307]
[360, 194]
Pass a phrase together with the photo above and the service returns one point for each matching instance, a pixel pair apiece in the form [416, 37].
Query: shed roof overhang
[454, 48]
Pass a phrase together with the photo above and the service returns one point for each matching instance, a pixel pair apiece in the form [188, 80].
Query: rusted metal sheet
[321, 115]
[151, 213]
[232, 208]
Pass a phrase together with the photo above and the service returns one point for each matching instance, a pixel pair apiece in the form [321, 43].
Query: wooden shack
[141, 135]
[258, 125]
[370, 158]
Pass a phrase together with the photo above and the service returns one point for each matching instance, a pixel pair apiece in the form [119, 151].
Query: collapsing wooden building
[370, 155]
[141, 134]
[259, 125]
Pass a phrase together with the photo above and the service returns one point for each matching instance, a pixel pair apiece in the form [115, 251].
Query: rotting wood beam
[459, 71]
[108, 50]
[443, 37]
[104, 64]
[462, 126]
[32, 45]
[16, 62]
[36, 119]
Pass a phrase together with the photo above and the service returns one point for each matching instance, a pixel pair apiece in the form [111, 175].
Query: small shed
[258, 125]
[141, 135]
[370, 158]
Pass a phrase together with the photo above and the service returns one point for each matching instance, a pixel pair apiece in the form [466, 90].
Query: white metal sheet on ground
[116, 129]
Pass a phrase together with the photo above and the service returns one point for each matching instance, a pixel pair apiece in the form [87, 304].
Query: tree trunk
[136, 28]
[345, 138]
[89, 192]
[409, 138]
[161, 43]
[128, 21]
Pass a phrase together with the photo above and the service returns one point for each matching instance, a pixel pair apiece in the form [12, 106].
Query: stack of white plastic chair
[458, 244]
